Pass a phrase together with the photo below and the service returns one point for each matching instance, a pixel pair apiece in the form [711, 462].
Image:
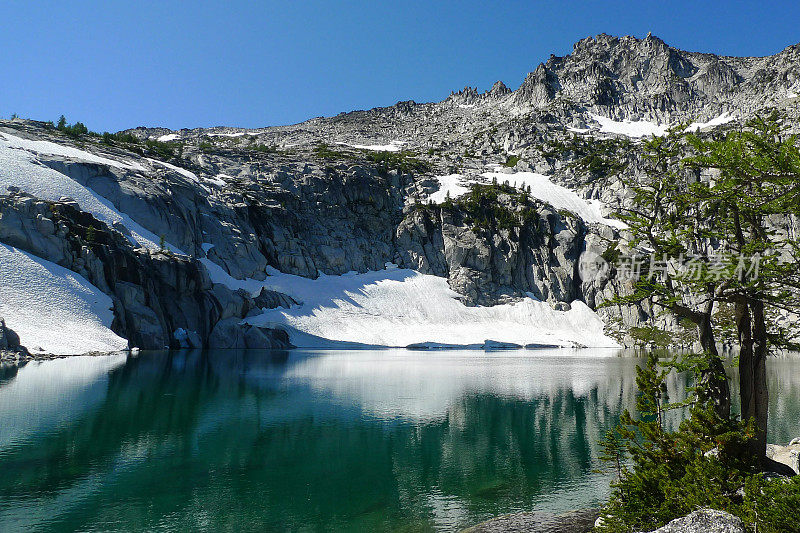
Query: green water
[313, 441]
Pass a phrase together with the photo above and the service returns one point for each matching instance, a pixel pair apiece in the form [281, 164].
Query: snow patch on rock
[51, 148]
[591, 211]
[629, 128]
[182, 171]
[400, 307]
[713, 123]
[393, 146]
[53, 309]
[453, 185]
[559, 197]
[19, 168]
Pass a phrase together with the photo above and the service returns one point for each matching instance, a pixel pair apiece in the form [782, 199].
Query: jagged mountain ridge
[617, 77]
[239, 208]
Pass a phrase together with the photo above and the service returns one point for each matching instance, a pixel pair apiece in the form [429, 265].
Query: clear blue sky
[114, 65]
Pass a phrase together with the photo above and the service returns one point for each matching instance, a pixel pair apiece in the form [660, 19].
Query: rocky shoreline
[580, 521]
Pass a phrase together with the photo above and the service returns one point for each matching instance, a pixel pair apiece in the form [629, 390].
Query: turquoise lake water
[315, 441]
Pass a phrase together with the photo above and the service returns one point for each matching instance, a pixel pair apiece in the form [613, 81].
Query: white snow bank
[393, 146]
[643, 128]
[50, 148]
[541, 188]
[168, 137]
[557, 196]
[399, 307]
[713, 123]
[454, 185]
[53, 309]
[630, 128]
[19, 168]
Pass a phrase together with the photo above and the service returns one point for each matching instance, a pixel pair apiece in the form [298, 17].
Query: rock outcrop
[303, 200]
[10, 348]
[704, 521]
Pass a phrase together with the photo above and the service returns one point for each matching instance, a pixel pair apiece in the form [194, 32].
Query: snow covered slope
[19, 168]
[713, 123]
[541, 187]
[453, 185]
[51, 148]
[52, 309]
[557, 196]
[630, 128]
[399, 307]
[642, 128]
[393, 146]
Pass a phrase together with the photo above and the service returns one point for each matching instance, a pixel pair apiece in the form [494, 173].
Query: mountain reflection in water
[357, 440]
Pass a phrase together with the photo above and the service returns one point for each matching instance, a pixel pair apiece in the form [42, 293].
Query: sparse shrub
[404, 161]
[162, 150]
[326, 152]
[120, 137]
[483, 210]
[72, 130]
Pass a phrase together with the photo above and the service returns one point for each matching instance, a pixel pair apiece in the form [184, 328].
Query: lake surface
[315, 441]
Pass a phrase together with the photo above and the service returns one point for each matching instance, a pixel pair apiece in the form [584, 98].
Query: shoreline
[578, 521]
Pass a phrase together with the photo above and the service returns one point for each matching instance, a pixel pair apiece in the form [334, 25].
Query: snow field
[393, 146]
[629, 128]
[50, 148]
[19, 168]
[53, 309]
[541, 188]
[398, 307]
[641, 128]
[455, 185]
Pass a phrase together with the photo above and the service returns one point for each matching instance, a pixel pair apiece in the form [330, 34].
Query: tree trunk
[752, 368]
[715, 380]
[760, 393]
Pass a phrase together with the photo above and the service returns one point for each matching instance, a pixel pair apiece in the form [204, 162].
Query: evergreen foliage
[662, 475]
[714, 211]
[72, 130]
[483, 209]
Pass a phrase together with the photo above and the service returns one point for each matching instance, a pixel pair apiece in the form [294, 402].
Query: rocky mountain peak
[499, 89]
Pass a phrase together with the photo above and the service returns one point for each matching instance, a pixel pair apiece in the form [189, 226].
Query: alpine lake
[389, 440]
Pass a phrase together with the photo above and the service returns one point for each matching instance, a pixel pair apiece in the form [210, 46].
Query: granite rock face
[310, 199]
[10, 348]
[704, 521]
[538, 257]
